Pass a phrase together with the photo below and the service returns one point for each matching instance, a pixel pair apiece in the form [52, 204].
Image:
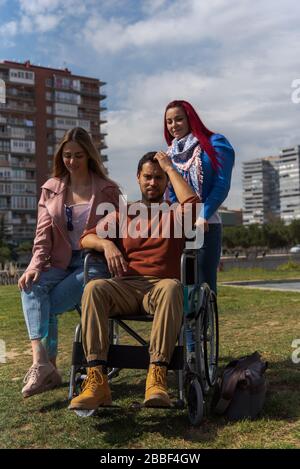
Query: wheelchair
[196, 370]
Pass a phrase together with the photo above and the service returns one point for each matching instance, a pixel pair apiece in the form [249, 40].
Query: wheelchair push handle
[185, 271]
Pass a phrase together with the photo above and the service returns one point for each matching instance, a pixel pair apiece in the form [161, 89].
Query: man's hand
[164, 161]
[115, 261]
[27, 279]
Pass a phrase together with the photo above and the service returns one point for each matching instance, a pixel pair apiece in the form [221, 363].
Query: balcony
[6, 134]
[4, 75]
[88, 115]
[90, 105]
[91, 92]
[22, 164]
[20, 94]
[23, 232]
[17, 107]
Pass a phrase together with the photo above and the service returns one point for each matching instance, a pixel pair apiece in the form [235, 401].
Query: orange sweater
[147, 255]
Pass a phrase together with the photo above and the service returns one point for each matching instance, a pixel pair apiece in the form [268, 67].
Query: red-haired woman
[205, 159]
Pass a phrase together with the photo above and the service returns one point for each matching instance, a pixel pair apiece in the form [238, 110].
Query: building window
[22, 146]
[65, 97]
[21, 76]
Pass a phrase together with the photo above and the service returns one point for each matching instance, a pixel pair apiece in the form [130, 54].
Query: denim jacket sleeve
[221, 177]
[42, 245]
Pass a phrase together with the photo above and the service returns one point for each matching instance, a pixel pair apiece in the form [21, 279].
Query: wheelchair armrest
[87, 254]
[91, 251]
[192, 252]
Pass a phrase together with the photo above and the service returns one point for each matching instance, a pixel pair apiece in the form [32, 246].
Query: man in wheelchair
[145, 273]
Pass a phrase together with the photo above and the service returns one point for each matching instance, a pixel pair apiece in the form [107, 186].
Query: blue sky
[234, 60]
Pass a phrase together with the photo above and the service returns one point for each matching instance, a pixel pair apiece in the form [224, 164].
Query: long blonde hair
[80, 136]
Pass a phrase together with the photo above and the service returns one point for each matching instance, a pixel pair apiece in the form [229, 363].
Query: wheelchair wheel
[195, 402]
[211, 340]
[199, 354]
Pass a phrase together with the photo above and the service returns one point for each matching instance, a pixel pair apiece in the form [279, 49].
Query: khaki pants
[105, 298]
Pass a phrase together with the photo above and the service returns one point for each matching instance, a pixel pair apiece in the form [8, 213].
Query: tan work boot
[40, 378]
[95, 391]
[156, 387]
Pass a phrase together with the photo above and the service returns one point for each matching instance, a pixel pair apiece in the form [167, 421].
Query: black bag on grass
[240, 393]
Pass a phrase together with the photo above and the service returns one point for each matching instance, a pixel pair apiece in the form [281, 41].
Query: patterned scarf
[185, 156]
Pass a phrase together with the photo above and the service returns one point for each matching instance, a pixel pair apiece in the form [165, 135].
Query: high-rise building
[271, 188]
[261, 203]
[289, 179]
[40, 105]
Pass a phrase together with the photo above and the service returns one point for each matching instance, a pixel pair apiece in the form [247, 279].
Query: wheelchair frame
[196, 371]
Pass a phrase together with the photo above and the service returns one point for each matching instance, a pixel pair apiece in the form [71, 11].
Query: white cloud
[46, 15]
[47, 22]
[152, 6]
[37, 7]
[116, 35]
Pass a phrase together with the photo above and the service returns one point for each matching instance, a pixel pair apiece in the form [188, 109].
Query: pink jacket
[51, 244]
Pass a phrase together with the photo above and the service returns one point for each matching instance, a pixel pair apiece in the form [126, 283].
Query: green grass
[249, 320]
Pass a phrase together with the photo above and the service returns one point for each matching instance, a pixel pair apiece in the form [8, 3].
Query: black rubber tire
[195, 403]
[211, 340]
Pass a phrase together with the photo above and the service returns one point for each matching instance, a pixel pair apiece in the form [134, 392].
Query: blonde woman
[53, 281]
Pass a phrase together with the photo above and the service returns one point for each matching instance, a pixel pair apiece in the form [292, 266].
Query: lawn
[249, 320]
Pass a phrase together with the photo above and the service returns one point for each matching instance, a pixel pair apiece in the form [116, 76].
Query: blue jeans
[56, 291]
[208, 260]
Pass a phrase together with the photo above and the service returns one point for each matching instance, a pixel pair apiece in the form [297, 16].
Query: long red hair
[196, 127]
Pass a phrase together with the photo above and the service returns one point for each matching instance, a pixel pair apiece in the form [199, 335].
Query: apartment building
[271, 188]
[40, 104]
[261, 199]
[289, 177]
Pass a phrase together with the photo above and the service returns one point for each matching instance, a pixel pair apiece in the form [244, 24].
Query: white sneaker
[40, 378]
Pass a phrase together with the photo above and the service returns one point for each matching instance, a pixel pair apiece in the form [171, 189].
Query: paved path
[284, 285]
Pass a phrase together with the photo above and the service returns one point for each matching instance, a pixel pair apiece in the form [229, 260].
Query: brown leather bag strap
[231, 377]
[227, 391]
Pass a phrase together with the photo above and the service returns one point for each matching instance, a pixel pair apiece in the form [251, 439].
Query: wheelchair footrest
[137, 357]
